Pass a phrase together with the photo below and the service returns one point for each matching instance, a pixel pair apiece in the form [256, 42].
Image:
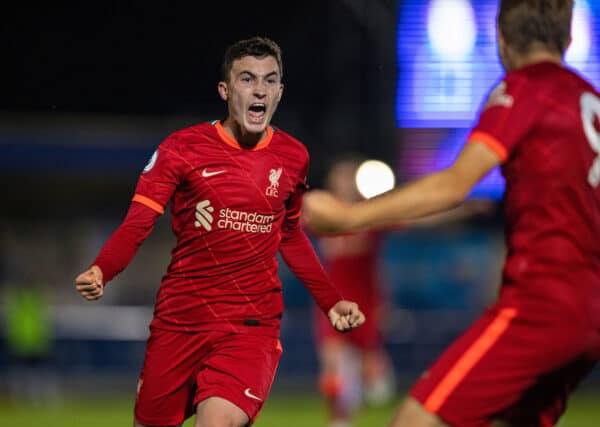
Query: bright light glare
[451, 28]
[374, 177]
[579, 49]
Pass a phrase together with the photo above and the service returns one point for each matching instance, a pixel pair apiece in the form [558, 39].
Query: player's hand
[323, 213]
[345, 315]
[89, 283]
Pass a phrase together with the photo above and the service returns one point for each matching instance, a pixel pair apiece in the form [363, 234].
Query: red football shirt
[542, 120]
[352, 262]
[232, 209]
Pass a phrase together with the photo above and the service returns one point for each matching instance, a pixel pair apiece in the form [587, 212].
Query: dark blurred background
[109, 80]
[89, 89]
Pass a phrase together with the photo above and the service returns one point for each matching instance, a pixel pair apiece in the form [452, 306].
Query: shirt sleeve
[161, 176]
[120, 248]
[506, 117]
[156, 185]
[299, 254]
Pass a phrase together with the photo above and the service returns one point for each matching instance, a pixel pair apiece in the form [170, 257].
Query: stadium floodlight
[579, 50]
[374, 177]
[452, 29]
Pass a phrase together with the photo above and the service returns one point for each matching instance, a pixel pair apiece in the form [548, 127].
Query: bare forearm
[431, 194]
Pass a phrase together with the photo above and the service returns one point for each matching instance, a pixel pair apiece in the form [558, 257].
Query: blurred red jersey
[232, 209]
[352, 262]
[542, 120]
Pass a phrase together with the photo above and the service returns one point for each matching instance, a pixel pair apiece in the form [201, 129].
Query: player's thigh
[167, 381]
[219, 412]
[499, 358]
[240, 369]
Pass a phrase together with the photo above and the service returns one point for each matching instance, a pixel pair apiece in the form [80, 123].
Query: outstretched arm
[426, 196]
[467, 209]
[117, 252]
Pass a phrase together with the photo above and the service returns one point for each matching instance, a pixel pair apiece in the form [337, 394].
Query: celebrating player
[517, 364]
[235, 188]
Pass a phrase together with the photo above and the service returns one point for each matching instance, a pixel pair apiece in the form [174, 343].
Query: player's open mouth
[257, 111]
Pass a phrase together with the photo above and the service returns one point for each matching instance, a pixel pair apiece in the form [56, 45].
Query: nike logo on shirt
[251, 396]
[207, 174]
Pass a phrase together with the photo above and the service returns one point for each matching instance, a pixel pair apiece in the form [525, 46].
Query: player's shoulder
[284, 141]
[538, 86]
[544, 77]
[193, 132]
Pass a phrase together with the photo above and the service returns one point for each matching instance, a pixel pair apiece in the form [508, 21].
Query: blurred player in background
[518, 363]
[30, 343]
[235, 188]
[355, 367]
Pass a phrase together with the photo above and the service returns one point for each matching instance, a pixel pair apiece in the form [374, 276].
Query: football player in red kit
[517, 364]
[235, 188]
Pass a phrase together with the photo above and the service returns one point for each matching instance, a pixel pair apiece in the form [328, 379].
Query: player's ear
[280, 92]
[223, 91]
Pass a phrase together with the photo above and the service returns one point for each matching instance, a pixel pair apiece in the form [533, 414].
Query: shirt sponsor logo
[231, 219]
[151, 162]
[273, 189]
[203, 215]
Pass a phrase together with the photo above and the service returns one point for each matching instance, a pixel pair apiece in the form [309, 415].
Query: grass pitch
[281, 410]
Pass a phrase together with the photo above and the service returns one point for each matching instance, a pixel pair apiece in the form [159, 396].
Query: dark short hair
[258, 47]
[524, 23]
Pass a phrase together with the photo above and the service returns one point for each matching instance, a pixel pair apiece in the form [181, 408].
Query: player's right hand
[89, 283]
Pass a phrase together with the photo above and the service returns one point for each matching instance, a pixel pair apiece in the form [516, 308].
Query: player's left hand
[345, 315]
[323, 213]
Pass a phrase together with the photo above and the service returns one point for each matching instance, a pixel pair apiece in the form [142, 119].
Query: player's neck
[244, 139]
[535, 57]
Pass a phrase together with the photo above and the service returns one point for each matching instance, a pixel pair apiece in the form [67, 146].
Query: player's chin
[256, 123]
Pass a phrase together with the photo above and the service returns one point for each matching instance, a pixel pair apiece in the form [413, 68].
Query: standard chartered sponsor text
[249, 222]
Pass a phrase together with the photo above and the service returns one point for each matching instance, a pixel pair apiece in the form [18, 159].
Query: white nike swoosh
[206, 173]
[251, 396]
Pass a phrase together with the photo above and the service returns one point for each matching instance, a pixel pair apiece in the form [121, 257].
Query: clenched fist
[89, 284]
[345, 315]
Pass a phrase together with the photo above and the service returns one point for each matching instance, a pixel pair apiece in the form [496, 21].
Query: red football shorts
[516, 363]
[182, 369]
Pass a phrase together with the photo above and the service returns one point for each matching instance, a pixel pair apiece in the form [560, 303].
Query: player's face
[252, 94]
